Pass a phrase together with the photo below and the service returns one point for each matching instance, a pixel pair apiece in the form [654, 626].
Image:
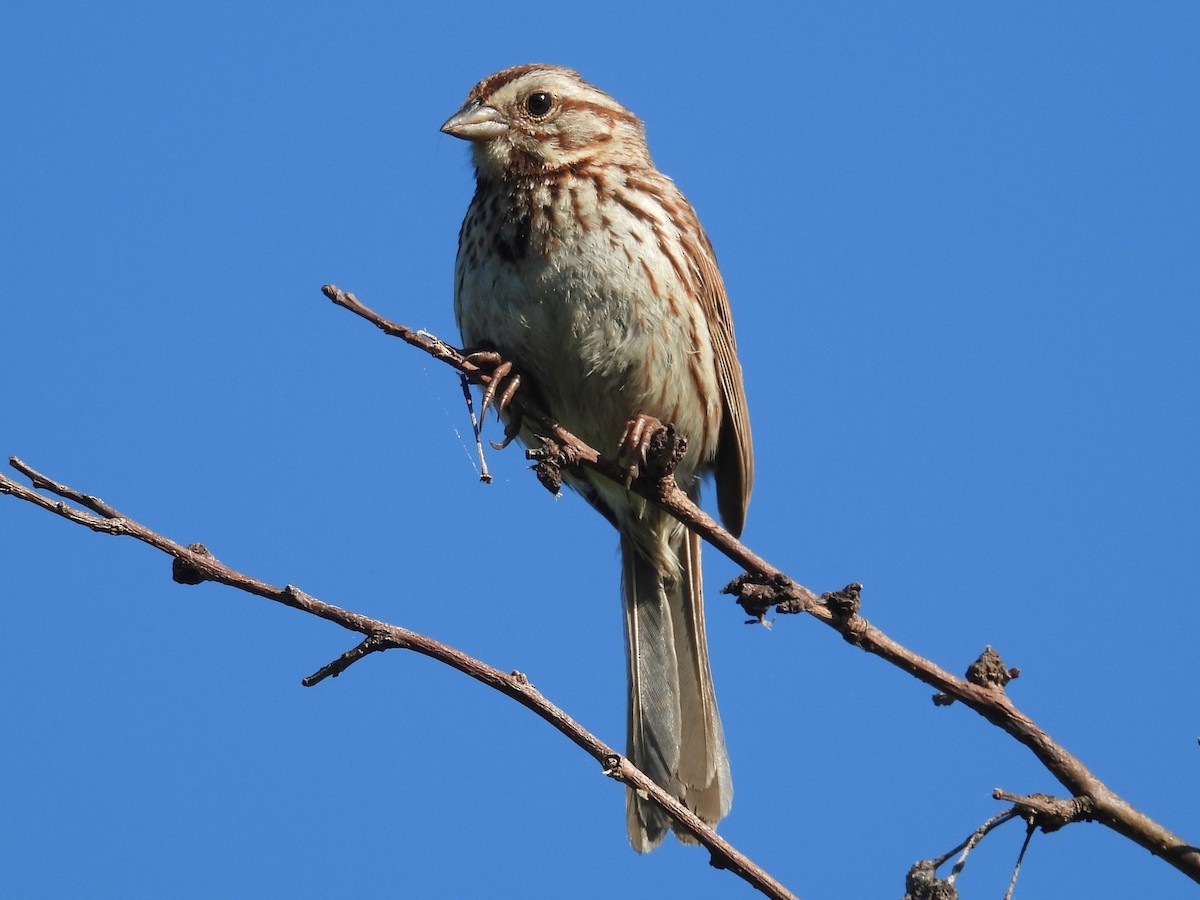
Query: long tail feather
[675, 733]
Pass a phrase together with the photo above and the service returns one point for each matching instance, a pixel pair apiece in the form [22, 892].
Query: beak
[476, 122]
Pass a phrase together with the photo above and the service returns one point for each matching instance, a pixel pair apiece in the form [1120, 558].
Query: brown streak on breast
[650, 279]
[667, 247]
[577, 209]
[634, 209]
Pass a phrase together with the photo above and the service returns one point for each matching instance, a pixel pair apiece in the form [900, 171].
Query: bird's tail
[675, 733]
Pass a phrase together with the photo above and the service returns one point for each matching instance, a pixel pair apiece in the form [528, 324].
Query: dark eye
[538, 104]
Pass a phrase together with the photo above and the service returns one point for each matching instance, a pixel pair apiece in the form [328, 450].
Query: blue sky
[961, 244]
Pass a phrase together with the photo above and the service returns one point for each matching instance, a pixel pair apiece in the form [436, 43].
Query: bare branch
[195, 564]
[764, 586]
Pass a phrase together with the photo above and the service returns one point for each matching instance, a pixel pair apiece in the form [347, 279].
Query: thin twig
[476, 428]
[1012, 882]
[372, 644]
[972, 841]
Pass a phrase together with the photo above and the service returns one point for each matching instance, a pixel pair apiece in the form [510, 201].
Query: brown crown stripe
[493, 83]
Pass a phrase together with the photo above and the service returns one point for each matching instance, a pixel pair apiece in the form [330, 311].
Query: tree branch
[194, 564]
[765, 586]
[762, 588]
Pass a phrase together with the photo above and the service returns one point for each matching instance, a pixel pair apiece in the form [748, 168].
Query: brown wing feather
[735, 450]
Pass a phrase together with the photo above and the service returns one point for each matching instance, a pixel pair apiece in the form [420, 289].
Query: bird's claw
[500, 384]
[511, 429]
[634, 445]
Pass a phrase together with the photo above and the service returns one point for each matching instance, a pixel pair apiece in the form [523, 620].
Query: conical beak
[476, 122]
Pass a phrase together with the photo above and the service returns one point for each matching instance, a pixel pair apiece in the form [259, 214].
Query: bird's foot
[649, 447]
[500, 382]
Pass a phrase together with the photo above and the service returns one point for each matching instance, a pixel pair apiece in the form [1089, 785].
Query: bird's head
[543, 118]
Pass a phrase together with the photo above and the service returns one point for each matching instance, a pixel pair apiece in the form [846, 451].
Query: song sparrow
[586, 267]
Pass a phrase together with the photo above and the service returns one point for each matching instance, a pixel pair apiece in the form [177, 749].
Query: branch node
[374, 642]
[988, 671]
[297, 597]
[551, 458]
[664, 451]
[716, 861]
[186, 571]
[756, 594]
[1047, 812]
[846, 602]
[922, 883]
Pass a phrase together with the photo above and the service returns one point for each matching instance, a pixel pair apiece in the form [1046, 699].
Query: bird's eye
[538, 104]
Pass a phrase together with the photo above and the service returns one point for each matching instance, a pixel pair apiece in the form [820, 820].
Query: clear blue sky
[962, 244]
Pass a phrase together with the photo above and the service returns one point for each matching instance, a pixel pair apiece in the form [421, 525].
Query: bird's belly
[602, 343]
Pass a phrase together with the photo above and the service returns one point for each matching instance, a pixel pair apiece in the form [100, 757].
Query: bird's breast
[592, 297]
